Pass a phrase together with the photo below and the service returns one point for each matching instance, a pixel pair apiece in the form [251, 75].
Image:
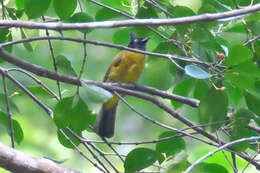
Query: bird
[126, 67]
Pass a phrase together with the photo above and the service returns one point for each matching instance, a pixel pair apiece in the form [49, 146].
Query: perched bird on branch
[126, 67]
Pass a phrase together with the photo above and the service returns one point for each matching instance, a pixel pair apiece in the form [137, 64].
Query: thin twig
[44, 107]
[36, 80]
[97, 43]
[161, 124]
[161, 139]
[236, 4]
[143, 142]
[234, 162]
[84, 60]
[247, 165]
[156, 5]
[53, 58]
[252, 40]
[80, 152]
[94, 147]
[3, 9]
[88, 148]
[80, 6]
[225, 155]
[220, 148]
[10, 121]
[110, 146]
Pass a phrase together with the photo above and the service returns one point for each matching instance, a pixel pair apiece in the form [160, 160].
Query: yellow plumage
[127, 67]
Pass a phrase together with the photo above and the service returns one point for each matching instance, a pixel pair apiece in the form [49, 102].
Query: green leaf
[64, 8]
[19, 13]
[253, 17]
[146, 11]
[248, 68]
[228, 3]
[19, 4]
[68, 114]
[234, 93]
[80, 18]
[252, 102]
[209, 168]
[65, 142]
[178, 167]
[123, 5]
[243, 3]
[257, 87]
[213, 108]
[240, 120]
[240, 80]
[37, 91]
[197, 72]
[172, 146]
[207, 8]
[11, 13]
[27, 45]
[36, 8]
[183, 88]
[139, 159]
[201, 34]
[18, 132]
[238, 54]
[5, 36]
[236, 27]
[157, 74]
[95, 93]
[242, 117]
[64, 65]
[182, 11]
[201, 89]
[106, 14]
[32, 33]
[121, 37]
[13, 108]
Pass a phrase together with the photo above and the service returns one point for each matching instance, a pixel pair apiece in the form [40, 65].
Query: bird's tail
[105, 122]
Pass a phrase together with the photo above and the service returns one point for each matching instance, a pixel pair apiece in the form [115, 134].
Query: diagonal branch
[19, 162]
[109, 86]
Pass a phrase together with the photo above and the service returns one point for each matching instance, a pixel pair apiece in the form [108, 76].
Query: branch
[19, 162]
[127, 23]
[220, 148]
[97, 43]
[10, 121]
[109, 86]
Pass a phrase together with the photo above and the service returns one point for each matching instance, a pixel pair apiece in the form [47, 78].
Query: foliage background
[40, 131]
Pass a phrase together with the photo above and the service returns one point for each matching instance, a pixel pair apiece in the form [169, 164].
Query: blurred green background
[40, 132]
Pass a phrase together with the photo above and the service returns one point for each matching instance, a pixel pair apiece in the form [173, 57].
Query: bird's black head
[137, 43]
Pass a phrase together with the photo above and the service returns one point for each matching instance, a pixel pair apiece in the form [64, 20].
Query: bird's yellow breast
[127, 67]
